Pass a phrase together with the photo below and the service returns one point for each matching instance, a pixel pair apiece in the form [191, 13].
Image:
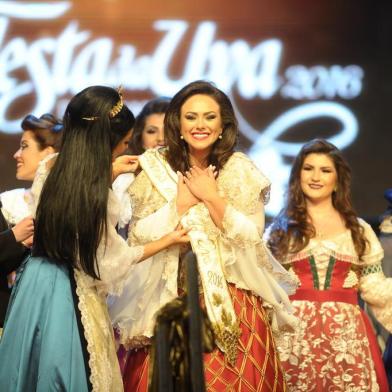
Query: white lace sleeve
[375, 288]
[243, 230]
[156, 225]
[152, 282]
[246, 190]
[115, 257]
[120, 187]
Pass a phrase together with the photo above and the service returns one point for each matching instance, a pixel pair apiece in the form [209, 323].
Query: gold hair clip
[90, 118]
[118, 106]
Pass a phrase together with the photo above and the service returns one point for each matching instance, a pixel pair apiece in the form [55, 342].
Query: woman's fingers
[180, 177]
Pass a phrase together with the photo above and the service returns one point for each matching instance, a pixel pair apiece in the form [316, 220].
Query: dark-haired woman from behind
[57, 333]
[335, 255]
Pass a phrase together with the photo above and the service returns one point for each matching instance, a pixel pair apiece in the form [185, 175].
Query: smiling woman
[41, 137]
[335, 256]
[318, 177]
[201, 183]
[201, 126]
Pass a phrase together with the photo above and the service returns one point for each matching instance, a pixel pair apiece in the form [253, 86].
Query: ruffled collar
[340, 246]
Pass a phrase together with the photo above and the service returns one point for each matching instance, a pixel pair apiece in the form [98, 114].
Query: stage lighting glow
[268, 152]
[63, 65]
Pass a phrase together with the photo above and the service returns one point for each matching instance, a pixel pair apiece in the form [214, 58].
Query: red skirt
[257, 368]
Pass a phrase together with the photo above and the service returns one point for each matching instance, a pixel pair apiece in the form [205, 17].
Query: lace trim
[295, 278]
[87, 332]
[266, 259]
[116, 288]
[310, 252]
[39, 180]
[170, 257]
[134, 342]
[228, 223]
[371, 269]
[232, 187]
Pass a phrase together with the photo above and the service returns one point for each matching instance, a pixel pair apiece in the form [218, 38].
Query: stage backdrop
[295, 70]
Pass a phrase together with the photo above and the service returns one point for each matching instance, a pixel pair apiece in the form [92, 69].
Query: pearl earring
[220, 136]
[182, 137]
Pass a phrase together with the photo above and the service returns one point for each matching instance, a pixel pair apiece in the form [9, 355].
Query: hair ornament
[116, 109]
[90, 118]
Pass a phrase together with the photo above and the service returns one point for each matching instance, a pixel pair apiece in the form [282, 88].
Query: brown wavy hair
[177, 153]
[291, 230]
[155, 106]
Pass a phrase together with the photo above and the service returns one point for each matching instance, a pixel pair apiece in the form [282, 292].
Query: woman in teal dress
[57, 334]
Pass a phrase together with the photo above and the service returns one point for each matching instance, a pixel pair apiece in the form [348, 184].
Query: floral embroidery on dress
[331, 349]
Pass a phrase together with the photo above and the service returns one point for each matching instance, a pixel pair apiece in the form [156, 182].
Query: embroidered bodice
[333, 264]
[243, 257]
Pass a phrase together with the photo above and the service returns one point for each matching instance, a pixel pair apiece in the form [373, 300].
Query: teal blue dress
[42, 346]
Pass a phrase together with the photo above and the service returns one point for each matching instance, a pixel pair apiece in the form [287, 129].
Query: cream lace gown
[257, 284]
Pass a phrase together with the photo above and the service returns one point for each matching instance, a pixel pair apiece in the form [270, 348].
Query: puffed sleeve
[120, 187]
[153, 217]
[243, 221]
[115, 258]
[154, 281]
[374, 287]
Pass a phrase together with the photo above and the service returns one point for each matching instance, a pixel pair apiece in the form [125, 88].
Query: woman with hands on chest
[199, 182]
[201, 128]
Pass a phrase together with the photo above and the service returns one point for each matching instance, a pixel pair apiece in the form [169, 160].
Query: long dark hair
[177, 152]
[47, 130]
[291, 230]
[72, 212]
[155, 106]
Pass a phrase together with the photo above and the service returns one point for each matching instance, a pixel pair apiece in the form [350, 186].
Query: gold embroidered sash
[203, 236]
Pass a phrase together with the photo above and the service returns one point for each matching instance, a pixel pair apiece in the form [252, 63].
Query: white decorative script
[61, 65]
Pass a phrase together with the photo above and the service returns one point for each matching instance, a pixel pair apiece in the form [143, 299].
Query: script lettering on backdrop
[79, 60]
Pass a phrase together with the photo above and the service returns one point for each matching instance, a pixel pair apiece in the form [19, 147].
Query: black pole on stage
[178, 346]
[195, 325]
[165, 380]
